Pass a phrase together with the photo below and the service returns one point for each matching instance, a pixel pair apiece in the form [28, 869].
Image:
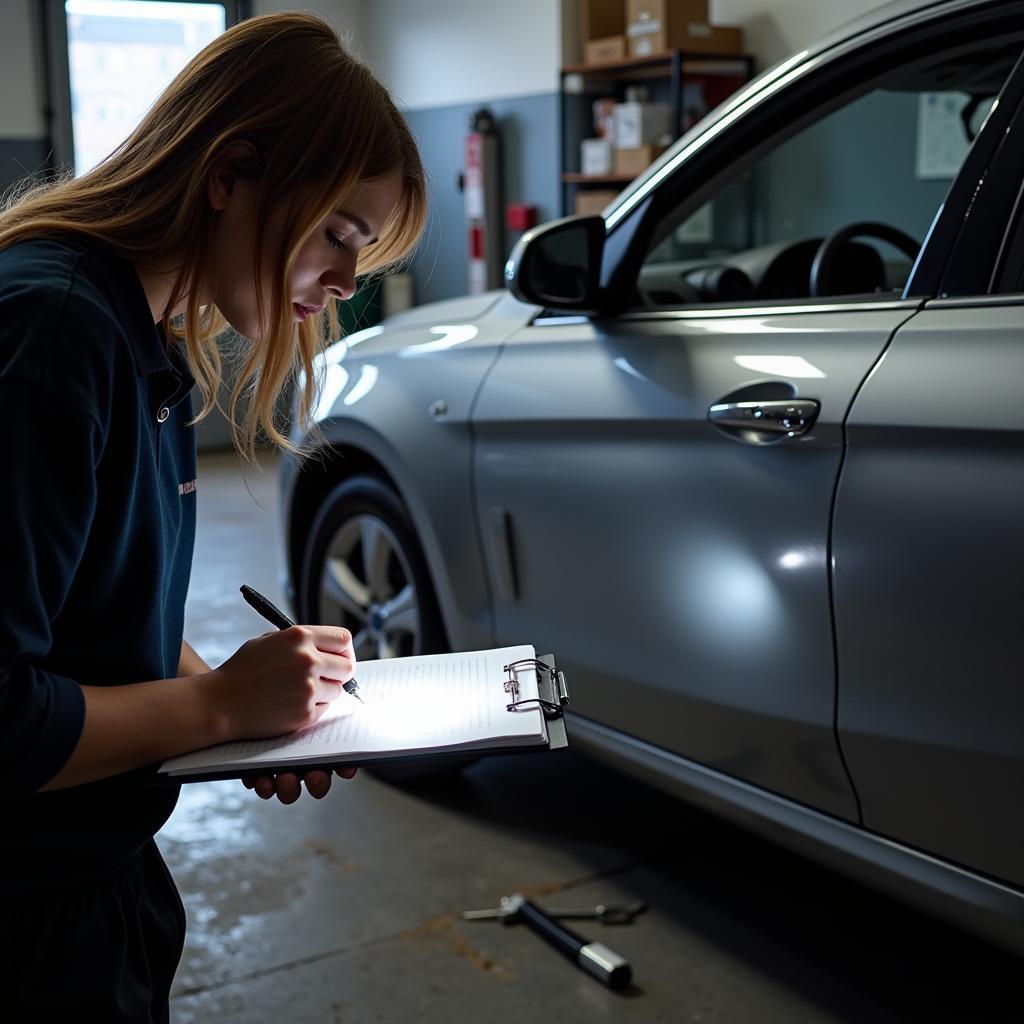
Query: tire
[383, 595]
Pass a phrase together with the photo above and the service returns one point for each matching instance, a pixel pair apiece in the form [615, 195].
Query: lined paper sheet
[435, 703]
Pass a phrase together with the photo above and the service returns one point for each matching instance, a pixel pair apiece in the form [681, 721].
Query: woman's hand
[277, 683]
[288, 787]
[280, 681]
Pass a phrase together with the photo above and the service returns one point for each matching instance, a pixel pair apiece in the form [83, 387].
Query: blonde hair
[320, 126]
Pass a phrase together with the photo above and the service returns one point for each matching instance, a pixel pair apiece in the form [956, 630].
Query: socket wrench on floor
[594, 957]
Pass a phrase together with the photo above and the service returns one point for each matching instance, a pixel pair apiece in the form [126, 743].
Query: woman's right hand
[280, 681]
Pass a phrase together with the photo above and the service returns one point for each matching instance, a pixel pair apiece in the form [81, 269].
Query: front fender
[432, 478]
[399, 398]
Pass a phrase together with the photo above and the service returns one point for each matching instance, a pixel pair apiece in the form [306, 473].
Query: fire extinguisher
[481, 186]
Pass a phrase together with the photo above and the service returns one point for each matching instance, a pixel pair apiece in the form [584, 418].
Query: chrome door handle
[789, 418]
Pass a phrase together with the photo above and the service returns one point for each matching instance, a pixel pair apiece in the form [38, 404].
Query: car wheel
[363, 568]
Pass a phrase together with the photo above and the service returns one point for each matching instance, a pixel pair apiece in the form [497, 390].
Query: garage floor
[348, 909]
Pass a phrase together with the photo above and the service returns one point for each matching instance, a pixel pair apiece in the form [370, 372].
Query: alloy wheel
[366, 585]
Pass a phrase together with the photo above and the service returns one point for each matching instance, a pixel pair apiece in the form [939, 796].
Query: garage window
[108, 60]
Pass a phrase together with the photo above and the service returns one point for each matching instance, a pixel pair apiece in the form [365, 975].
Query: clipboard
[553, 696]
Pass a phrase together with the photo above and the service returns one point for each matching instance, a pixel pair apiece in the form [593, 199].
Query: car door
[929, 555]
[678, 564]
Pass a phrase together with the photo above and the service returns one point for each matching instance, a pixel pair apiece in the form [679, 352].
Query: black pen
[278, 618]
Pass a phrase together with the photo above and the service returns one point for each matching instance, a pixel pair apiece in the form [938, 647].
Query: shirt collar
[149, 348]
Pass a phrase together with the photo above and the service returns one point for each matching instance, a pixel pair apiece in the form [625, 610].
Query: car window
[867, 178]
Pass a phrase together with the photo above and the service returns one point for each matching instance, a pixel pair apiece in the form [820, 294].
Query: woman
[271, 171]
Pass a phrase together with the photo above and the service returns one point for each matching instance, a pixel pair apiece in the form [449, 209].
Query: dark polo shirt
[97, 523]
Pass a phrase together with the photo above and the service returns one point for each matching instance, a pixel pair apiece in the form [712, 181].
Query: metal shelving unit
[665, 73]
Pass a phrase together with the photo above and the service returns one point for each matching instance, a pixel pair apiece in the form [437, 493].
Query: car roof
[838, 39]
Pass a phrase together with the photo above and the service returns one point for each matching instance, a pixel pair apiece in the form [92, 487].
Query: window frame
[1008, 276]
[57, 77]
[999, 214]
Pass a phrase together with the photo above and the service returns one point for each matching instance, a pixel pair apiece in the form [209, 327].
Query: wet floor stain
[228, 902]
[211, 817]
[444, 932]
[327, 853]
[541, 889]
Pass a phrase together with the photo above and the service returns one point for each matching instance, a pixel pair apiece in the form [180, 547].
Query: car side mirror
[558, 265]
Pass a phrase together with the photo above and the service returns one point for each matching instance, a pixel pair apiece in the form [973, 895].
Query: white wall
[434, 53]
[773, 30]
[347, 16]
[438, 52]
[21, 97]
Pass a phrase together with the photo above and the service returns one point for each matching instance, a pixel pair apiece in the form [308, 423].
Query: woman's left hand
[288, 786]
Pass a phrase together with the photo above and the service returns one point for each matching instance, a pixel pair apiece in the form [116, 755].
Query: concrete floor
[347, 909]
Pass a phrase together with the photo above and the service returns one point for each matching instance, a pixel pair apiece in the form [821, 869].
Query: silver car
[746, 454]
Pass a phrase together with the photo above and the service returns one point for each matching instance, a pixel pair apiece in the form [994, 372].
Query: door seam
[830, 555]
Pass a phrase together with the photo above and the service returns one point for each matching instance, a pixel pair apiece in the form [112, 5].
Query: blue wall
[857, 164]
[530, 164]
[530, 141]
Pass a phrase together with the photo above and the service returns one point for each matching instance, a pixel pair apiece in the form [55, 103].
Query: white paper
[430, 703]
[941, 140]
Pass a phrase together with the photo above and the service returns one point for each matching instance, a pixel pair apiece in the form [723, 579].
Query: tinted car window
[886, 158]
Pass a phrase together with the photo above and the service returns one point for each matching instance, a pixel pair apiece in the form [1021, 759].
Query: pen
[278, 618]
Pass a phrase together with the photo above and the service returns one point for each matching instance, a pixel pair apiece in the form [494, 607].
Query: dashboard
[781, 270]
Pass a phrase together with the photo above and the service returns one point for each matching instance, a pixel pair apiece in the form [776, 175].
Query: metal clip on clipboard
[552, 695]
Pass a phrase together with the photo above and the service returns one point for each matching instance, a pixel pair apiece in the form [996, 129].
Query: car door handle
[760, 422]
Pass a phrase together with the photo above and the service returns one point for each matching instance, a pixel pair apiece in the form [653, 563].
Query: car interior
[841, 207]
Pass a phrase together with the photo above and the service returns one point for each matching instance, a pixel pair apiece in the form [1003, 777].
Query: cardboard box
[596, 156]
[718, 40]
[638, 124]
[631, 162]
[593, 200]
[654, 26]
[600, 19]
[604, 51]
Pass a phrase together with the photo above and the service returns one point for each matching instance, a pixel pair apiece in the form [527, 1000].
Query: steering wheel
[824, 258]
